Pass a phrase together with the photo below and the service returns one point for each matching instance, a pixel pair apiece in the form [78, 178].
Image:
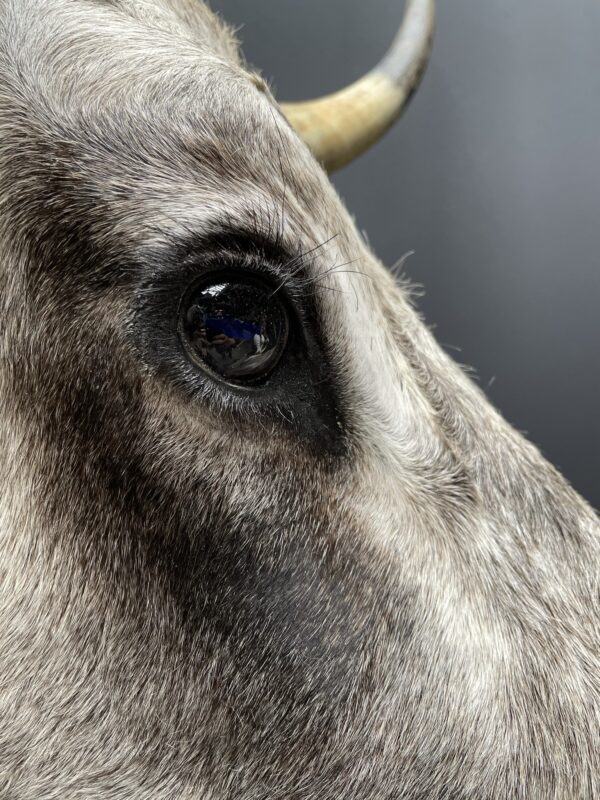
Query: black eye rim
[250, 277]
[304, 394]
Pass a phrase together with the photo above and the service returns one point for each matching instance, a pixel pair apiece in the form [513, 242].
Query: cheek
[256, 551]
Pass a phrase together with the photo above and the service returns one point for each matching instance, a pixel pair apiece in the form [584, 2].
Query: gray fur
[202, 601]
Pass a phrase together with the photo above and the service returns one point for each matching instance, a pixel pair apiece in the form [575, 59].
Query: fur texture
[359, 584]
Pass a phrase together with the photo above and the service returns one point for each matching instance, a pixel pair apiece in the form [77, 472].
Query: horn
[341, 126]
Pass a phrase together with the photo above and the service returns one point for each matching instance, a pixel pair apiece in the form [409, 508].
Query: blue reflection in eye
[234, 328]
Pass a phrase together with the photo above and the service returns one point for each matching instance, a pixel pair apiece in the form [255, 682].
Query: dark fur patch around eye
[301, 394]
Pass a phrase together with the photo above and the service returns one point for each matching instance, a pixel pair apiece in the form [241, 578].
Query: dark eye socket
[234, 327]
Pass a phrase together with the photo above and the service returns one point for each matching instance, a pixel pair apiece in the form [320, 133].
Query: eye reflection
[237, 328]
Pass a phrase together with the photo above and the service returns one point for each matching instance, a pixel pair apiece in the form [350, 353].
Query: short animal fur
[363, 586]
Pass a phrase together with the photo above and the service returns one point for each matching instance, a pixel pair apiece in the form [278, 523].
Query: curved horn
[341, 126]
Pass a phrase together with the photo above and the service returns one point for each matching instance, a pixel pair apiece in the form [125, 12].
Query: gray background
[492, 177]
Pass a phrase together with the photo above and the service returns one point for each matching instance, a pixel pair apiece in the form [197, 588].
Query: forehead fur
[139, 20]
[148, 102]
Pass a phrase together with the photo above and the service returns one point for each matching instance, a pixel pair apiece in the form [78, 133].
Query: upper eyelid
[264, 252]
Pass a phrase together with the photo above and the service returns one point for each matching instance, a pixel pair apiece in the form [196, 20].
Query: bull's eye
[234, 327]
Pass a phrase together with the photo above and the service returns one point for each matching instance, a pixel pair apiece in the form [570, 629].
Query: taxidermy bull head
[259, 536]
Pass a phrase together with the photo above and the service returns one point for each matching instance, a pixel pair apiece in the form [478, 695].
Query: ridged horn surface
[341, 126]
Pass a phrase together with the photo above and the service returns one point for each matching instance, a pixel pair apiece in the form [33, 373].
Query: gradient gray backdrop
[492, 177]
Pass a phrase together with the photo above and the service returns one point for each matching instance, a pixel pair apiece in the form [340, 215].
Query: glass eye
[234, 327]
